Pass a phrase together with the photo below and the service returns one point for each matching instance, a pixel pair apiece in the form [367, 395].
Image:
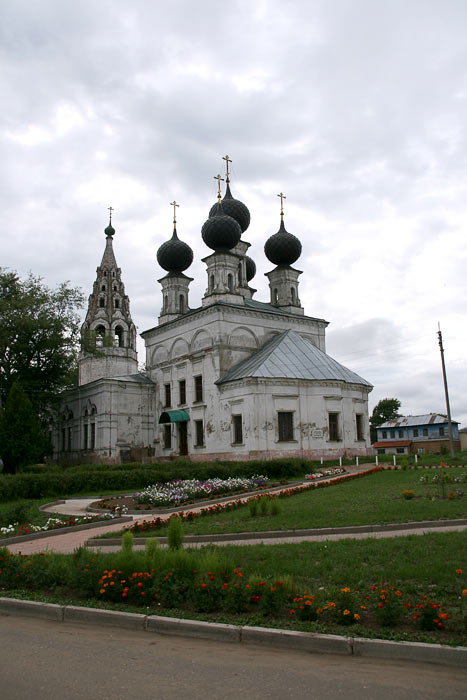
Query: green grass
[373, 499]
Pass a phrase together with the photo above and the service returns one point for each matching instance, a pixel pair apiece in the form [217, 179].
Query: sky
[354, 109]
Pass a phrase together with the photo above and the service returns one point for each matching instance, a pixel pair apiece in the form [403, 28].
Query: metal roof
[288, 355]
[178, 416]
[134, 378]
[409, 421]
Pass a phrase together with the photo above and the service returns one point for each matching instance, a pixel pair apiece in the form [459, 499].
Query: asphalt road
[46, 660]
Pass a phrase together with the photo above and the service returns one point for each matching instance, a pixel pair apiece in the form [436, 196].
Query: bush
[175, 532]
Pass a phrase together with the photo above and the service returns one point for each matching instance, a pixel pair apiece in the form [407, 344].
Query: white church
[232, 379]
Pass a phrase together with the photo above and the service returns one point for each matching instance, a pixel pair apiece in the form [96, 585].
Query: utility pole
[440, 340]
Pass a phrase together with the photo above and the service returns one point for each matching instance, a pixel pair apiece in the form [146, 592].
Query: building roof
[135, 378]
[288, 355]
[409, 421]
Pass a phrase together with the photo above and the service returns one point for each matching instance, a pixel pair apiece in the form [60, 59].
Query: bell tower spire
[108, 334]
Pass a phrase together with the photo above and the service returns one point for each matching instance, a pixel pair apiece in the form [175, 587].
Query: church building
[233, 378]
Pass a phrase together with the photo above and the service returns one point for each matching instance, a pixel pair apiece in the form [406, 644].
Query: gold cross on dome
[174, 205]
[282, 196]
[227, 161]
[219, 179]
[111, 209]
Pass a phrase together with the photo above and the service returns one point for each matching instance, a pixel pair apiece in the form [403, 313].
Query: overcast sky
[355, 109]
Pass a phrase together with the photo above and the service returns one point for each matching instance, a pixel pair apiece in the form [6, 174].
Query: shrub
[408, 494]
[175, 532]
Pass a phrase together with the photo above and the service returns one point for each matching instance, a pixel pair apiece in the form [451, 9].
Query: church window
[198, 388]
[285, 426]
[101, 302]
[359, 426]
[237, 424]
[168, 436]
[199, 430]
[292, 294]
[85, 436]
[168, 396]
[105, 273]
[166, 302]
[115, 287]
[240, 274]
[93, 435]
[212, 283]
[333, 419]
[230, 282]
[275, 296]
[117, 303]
[182, 391]
[182, 304]
[119, 337]
[103, 288]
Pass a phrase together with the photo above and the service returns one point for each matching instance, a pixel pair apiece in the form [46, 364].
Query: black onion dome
[174, 255]
[234, 208]
[250, 268]
[109, 231]
[283, 248]
[221, 232]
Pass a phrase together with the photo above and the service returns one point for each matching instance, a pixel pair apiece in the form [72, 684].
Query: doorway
[183, 438]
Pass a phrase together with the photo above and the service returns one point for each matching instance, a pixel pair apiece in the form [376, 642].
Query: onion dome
[109, 231]
[250, 268]
[220, 231]
[174, 255]
[234, 208]
[283, 248]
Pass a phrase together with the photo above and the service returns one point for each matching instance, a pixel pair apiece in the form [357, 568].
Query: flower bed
[333, 471]
[180, 491]
[55, 523]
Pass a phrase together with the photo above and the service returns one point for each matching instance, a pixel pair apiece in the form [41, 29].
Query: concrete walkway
[67, 542]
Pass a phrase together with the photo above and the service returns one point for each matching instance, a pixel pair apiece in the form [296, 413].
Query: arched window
[101, 303]
[103, 288]
[100, 333]
[275, 296]
[117, 303]
[230, 282]
[119, 337]
[115, 287]
[211, 284]
[182, 304]
[292, 293]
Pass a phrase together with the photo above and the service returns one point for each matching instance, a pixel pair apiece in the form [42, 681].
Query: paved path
[50, 661]
[68, 542]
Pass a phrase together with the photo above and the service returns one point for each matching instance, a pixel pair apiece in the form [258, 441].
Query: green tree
[22, 439]
[39, 337]
[386, 409]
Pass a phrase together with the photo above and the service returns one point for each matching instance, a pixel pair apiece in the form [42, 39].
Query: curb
[275, 534]
[262, 636]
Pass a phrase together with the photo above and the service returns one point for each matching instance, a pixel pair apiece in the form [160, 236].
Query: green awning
[174, 416]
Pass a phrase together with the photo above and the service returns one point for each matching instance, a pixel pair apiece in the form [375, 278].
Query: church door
[183, 438]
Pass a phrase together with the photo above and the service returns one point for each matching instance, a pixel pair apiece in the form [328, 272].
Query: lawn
[373, 499]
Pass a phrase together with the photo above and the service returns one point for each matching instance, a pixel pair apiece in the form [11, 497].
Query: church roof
[135, 378]
[290, 356]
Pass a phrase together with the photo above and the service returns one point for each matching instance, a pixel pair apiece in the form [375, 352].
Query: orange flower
[464, 592]
[356, 616]
[346, 612]
[345, 590]
[458, 571]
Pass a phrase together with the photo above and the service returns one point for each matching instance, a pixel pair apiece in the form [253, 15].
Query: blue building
[416, 435]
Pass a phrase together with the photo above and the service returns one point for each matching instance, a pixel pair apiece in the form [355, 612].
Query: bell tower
[108, 334]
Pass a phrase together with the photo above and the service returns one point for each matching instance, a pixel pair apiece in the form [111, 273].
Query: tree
[386, 409]
[22, 439]
[39, 337]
